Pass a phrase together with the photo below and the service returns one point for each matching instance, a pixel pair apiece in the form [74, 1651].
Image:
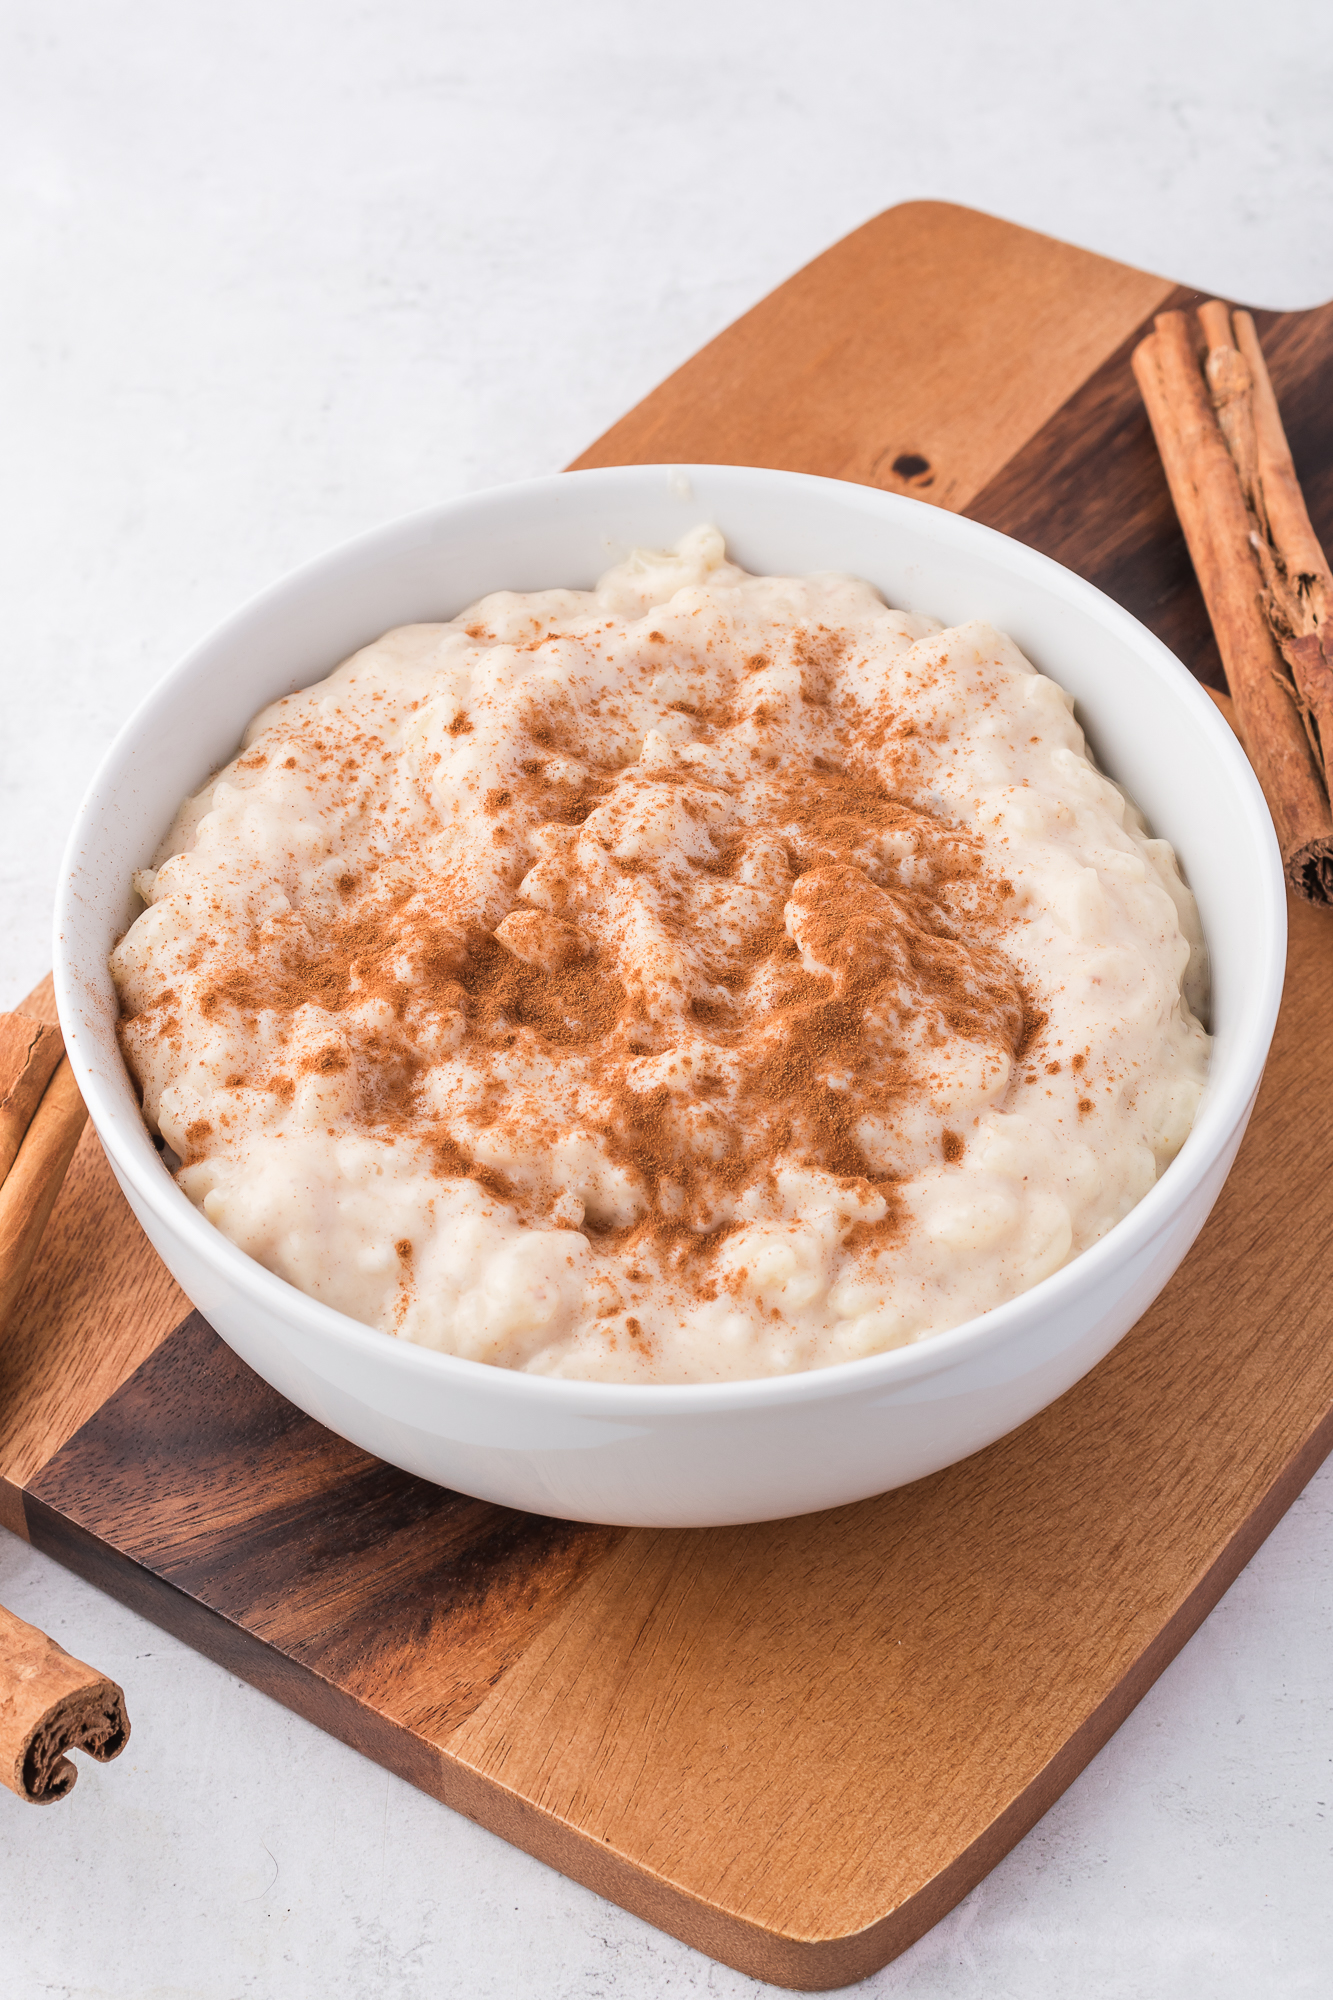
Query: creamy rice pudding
[704, 976]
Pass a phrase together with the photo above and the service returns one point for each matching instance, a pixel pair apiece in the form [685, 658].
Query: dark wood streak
[198, 1475]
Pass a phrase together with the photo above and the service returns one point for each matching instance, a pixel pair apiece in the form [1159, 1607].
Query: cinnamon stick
[1303, 607]
[51, 1703]
[28, 1193]
[1262, 572]
[29, 1052]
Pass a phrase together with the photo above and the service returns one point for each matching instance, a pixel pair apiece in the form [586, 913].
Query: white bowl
[695, 1455]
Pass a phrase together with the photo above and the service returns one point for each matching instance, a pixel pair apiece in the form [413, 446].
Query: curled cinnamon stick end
[51, 1703]
[1259, 565]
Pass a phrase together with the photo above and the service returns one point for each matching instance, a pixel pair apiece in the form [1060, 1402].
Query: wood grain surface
[794, 1745]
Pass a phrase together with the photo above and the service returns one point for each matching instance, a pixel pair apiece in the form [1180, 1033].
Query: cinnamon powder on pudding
[807, 1034]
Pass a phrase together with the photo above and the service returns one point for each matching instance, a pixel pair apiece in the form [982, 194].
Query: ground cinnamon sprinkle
[807, 1029]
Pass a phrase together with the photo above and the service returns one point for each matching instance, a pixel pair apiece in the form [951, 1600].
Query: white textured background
[273, 273]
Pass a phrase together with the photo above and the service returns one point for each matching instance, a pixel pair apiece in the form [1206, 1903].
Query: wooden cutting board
[795, 1746]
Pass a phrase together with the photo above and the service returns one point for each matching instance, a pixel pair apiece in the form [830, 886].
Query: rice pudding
[703, 976]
